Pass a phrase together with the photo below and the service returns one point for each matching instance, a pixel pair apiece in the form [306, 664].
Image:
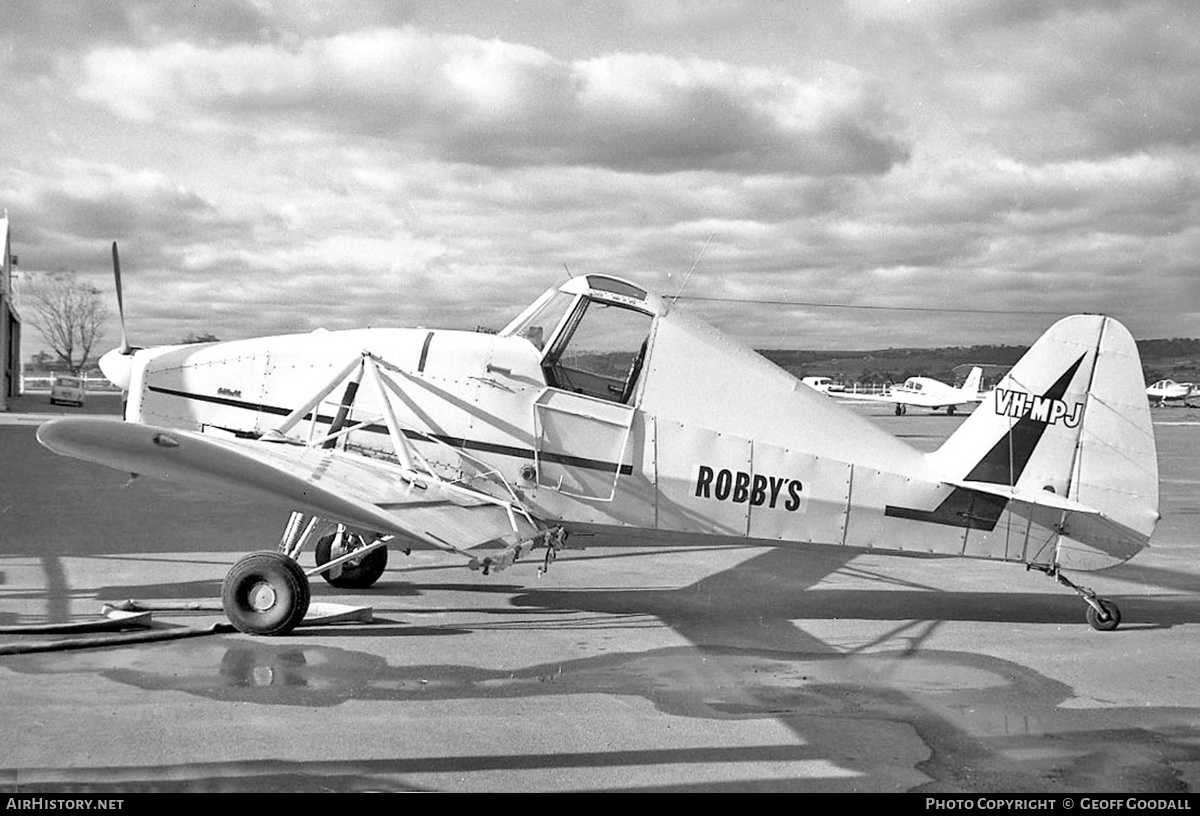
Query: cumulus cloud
[81, 207]
[1055, 81]
[495, 103]
[1142, 193]
[274, 168]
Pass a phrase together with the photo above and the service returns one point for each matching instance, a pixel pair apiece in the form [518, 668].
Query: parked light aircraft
[926, 392]
[604, 407]
[823, 384]
[1164, 391]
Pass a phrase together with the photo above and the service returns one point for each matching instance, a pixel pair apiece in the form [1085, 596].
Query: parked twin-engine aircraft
[604, 407]
[926, 392]
[1164, 391]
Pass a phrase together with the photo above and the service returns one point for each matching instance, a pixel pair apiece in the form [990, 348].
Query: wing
[364, 493]
[852, 396]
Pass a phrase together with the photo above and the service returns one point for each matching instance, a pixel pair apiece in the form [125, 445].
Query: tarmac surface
[626, 667]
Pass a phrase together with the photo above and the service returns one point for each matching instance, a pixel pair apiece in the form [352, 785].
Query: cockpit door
[581, 443]
[582, 420]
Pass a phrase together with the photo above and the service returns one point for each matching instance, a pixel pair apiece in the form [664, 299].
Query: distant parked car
[66, 390]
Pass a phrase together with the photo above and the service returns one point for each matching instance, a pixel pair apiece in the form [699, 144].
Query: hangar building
[10, 324]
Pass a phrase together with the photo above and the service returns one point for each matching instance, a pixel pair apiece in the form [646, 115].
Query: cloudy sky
[958, 171]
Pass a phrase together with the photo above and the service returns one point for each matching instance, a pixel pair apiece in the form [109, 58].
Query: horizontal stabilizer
[1041, 498]
[1089, 539]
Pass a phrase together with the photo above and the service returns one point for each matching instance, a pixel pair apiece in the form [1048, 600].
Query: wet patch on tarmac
[988, 723]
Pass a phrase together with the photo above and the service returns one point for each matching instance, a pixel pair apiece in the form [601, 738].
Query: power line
[767, 302]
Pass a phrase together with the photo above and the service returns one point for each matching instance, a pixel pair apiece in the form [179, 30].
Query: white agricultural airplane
[604, 407]
[1164, 391]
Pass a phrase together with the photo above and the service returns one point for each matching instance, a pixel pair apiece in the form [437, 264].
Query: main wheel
[359, 573]
[266, 593]
[1108, 623]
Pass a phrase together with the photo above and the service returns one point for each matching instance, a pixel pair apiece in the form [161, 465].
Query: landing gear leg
[1102, 614]
[355, 562]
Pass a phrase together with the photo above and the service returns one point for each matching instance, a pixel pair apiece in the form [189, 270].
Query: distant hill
[1176, 358]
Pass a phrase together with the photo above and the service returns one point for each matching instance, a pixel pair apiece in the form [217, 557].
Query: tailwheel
[266, 593]
[357, 573]
[1102, 614]
[1106, 618]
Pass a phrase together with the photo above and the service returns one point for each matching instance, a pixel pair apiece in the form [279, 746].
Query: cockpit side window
[600, 351]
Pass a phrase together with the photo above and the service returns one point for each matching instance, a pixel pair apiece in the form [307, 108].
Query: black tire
[266, 593]
[360, 574]
[1107, 624]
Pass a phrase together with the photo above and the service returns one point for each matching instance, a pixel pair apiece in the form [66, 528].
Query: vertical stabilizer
[970, 386]
[1071, 418]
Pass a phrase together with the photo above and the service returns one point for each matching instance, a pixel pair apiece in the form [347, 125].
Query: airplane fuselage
[704, 438]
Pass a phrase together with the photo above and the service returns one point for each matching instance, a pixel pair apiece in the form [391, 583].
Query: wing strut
[415, 469]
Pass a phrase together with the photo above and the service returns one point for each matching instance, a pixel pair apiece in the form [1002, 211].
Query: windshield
[538, 327]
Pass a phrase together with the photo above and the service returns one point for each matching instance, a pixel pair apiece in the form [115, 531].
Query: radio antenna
[695, 263]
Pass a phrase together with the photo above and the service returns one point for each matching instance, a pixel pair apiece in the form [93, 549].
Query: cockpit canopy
[593, 333]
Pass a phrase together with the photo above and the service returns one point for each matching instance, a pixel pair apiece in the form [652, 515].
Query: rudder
[971, 384]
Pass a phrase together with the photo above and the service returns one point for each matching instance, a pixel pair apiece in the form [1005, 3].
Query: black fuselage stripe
[456, 442]
[969, 509]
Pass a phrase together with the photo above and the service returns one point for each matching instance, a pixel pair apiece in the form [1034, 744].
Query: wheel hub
[261, 597]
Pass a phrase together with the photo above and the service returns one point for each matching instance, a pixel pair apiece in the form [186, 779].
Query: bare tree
[68, 313]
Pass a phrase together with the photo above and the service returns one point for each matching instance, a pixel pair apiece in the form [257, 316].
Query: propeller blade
[120, 300]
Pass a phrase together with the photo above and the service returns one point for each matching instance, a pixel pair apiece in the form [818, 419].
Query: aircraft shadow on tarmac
[978, 714]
